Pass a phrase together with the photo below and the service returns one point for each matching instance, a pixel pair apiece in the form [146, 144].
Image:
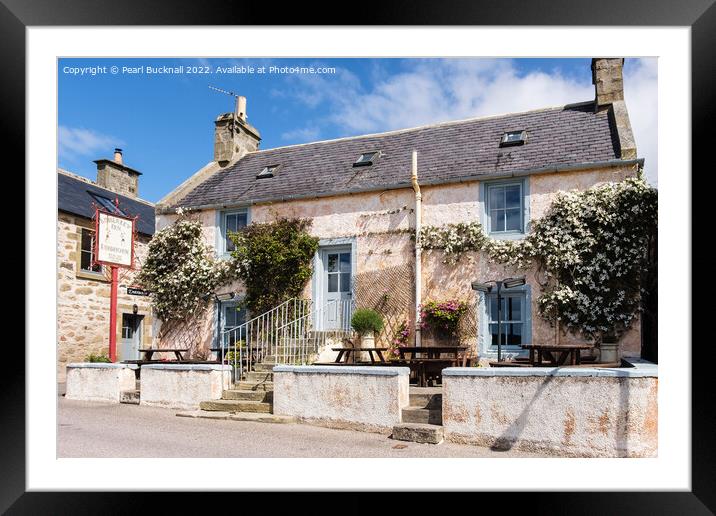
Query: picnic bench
[427, 362]
[348, 355]
[555, 355]
[149, 352]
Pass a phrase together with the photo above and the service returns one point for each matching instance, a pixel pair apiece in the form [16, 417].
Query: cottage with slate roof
[503, 171]
[83, 288]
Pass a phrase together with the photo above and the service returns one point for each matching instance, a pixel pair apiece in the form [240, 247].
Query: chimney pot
[118, 155]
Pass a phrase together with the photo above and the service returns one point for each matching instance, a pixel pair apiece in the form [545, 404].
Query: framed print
[429, 244]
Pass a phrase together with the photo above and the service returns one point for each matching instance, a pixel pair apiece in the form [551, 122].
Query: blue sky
[164, 122]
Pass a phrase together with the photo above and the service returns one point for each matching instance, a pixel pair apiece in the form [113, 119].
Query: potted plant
[442, 317]
[609, 347]
[367, 323]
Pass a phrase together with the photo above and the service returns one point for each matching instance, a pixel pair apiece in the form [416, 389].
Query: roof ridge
[93, 183]
[421, 127]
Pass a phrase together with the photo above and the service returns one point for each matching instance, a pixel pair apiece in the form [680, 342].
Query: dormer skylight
[513, 138]
[267, 172]
[366, 159]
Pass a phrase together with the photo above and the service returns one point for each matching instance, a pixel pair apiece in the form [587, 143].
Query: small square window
[87, 252]
[365, 159]
[267, 172]
[232, 222]
[504, 208]
[513, 138]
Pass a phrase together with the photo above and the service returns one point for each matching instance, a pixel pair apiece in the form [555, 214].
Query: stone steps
[258, 377]
[247, 395]
[129, 397]
[253, 386]
[422, 415]
[264, 367]
[418, 433]
[235, 406]
[422, 419]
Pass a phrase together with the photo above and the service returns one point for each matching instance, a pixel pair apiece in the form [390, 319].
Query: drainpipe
[418, 246]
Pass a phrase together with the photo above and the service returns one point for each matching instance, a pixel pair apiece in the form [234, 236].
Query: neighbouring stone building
[83, 288]
[503, 171]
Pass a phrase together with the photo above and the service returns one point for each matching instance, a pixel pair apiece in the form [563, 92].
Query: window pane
[345, 262]
[241, 219]
[230, 223]
[86, 240]
[513, 220]
[345, 282]
[492, 309]
[497, 197]
[514, 309]
[332, 263]
[514, 334]
[229, 244]
[333, 283]
[497, 220]
[512, 196]
[493, 334]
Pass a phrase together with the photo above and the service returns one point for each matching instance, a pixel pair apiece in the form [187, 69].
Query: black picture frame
[699, 15]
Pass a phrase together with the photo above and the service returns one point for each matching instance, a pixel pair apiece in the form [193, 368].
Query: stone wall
[183, 386]
[83, 299]
[582, 412]
[381, 226]
[99, 382]
[361, 397]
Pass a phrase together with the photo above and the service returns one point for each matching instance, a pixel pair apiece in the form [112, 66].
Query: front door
[337, 278]
[131, 336]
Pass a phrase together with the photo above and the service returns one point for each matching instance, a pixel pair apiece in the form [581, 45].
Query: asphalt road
[90, 429]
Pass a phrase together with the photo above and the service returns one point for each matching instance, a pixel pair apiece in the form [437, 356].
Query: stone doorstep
[426, 400]
[243, 416]
[129, 397]
[235, 406]
[418, 433]
[422, 415]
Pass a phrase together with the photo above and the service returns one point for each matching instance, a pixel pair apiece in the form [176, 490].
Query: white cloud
[303, 135]
[74, 142]
[640, 94]
[438, 90]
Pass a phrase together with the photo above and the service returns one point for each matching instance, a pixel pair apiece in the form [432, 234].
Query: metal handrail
[286, 333]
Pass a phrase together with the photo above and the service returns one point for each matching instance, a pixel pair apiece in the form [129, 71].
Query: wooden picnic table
[348, 355]
[149, 352]
[427, 362]
[556, 355]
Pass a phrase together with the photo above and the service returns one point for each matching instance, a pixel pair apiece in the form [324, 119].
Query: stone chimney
[114, 175]
[609, 95]
[233, 135]
[608, 81]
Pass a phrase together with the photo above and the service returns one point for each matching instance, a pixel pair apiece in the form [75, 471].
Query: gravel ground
[90, 429]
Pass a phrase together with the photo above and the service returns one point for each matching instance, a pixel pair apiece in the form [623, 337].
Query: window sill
[95, 276]
[507, 236]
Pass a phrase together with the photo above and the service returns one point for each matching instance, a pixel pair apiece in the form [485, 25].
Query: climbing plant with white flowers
[180, 270]
[591, 246]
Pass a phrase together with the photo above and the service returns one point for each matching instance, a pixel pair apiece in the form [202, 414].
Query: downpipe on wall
[418, 246]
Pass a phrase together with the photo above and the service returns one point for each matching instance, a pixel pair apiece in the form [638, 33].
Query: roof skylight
[513, 138]
[366, 159]
[107, 204]
[267, 172]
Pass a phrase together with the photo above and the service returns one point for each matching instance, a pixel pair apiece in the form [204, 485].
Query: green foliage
[274, 261]
[97, 358]
[591, 246]
[366, 320]
[180, 270]
[443, 316]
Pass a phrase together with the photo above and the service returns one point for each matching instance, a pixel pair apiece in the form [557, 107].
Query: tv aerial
[239, 102]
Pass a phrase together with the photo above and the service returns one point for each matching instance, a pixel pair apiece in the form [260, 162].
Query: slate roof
[73, 196]
[566, 135]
